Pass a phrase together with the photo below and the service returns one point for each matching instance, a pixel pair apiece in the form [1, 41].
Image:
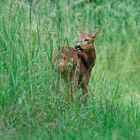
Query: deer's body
[78, 62]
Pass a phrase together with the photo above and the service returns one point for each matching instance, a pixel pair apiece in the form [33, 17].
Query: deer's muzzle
[78, 48]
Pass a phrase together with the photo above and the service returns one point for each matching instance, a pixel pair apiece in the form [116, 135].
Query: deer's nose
[77, 47]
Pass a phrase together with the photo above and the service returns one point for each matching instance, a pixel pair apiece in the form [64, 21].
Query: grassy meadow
[33, 106]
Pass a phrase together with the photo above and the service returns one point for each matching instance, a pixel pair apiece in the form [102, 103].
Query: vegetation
[33, 105]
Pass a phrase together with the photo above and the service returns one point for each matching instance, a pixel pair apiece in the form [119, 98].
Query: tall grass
[33, 105]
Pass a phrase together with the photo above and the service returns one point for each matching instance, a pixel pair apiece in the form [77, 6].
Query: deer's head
[85, 42]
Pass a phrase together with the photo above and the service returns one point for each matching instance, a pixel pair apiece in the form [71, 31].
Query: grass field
[33, 106]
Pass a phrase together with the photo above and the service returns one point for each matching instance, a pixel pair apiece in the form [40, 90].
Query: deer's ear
[94, 33]
[81, 33]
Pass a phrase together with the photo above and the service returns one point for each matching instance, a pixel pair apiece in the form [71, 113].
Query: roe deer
[78, 62]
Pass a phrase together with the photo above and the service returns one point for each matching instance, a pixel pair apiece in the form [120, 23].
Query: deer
[75, 63]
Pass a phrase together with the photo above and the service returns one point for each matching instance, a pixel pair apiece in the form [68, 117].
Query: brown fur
[78, 64]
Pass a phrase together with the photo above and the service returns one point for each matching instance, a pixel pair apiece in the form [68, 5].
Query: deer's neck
[91, 54]
[91, 57]
[88, 58]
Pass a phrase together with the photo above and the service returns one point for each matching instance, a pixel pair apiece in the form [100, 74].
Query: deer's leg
[85, 93]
